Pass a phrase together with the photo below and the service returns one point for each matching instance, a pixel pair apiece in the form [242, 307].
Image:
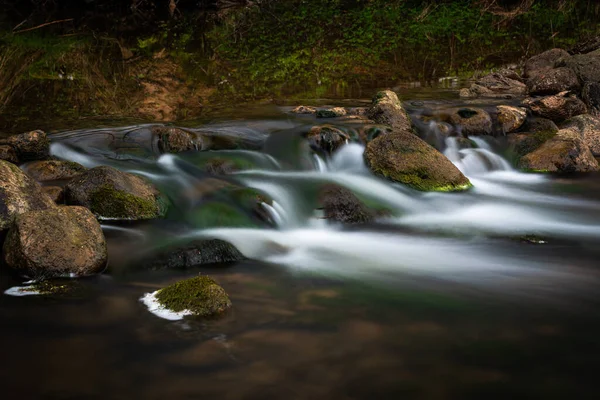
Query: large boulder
[585, 66]
[553, 81]
[386, 109]
[522, 144]
[538, 124]
[53, 170]
[193, 254]
[589, 128]
[511, 118]
[404, 157]
[8, 153]
[341, 205]
[30, 146]
[62, 241]
[586, 46]
[112, 194]
[591, 97]
[565, 152]
[469, 120]
[19, 194]
[543, 62]
[557, 108]
[327, 138]
[503, 84]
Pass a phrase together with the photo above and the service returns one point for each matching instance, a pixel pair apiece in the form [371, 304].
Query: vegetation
[200, 295]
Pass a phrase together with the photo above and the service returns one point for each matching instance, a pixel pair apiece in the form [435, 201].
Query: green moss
[200, 295]
[221, 214]
[419, 180]
[107, 202]
[326, 114]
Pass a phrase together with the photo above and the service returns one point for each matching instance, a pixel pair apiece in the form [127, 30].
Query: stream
[490, 293]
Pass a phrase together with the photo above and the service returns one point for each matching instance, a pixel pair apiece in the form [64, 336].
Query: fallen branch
[43, 25]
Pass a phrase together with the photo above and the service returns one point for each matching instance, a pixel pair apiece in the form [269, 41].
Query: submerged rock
[511, 118]
[332, 112]
[469, 120]
[327, 138]
[175, 140]
[304, 110]
[8, 153]
[56, 193]
[565, 152]
[386, 109]
[543, 62]
[30, 146]
[44, 171]
[589, 128]
[193, 254]
[553, 81]
[341, 205]
[557, 108]
[112, 194]
[199, 296]
[405, 158]
[19, 194]
[58, 242]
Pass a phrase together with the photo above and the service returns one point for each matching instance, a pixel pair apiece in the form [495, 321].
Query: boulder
[565, 152]
[112, 194]
[503, 84]
[19, 194]
[56, 193]
[62, 241]
[386, 109]
[30, 146]
[585, 66]
[589, 128]
[469, 120]
[587, 46]
[44, 171]
[175, 140]
[304, 110]
[525, 143]
[341, 205]
[557, 108]
[404, 157]
[543, 62]
[553, 81]
[591, 97]
[511, 118]
[8, 153]
[193, 254]
[537, 124]
[327, 138]
[332, 112]
[358, 111]
[200, 296]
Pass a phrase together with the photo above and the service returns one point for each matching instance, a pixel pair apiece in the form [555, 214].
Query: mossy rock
[112, 194]
[201, 295]
[53, 170]
[8, 153]
[386, 109]
[525, 143]
[214, 214]
[405, 158]
[331, 112]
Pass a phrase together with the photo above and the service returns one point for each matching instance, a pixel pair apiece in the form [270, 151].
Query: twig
[43, 25]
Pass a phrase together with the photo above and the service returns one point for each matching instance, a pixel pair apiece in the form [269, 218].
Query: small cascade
[476, 161]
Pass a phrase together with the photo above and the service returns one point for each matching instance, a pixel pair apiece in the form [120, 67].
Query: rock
[367, 133]
[502, 84]
[525, 143]
[404, 157]
[591, 97]
[304, 110]
[8, 153]
[175, 140]
[511, 118]
[331, 112]
[44, 171]
[19, 194]
[358, 111]
[585, 66]
[543, 62]
[589, 128]
[201, 295]
[193, 254]
[557, 108]
[56, 193]
[469, 120]
[565, 152]
[327, 138]
[56, 242]
[553, 81]
[30, 146]
[220, 166]
[587, 46]
[112, 194]
[386, 109]
[537, 124]
[341, 205]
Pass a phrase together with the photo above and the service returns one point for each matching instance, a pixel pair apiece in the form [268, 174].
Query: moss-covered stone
[200, 295]
[386, 109]
[107, 201]
[53, 170]
[525, 143]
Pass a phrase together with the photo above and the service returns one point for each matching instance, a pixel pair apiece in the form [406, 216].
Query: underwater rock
[469, 120]
[53, 170]
[553, 81]
[565, 152]
[112, 194]
[511, 118]
[30, 146]
[8, 153]
[193, 254]
[589, 128]
[19, 194]
[62, 241]
[404, 157]
[327, 138]
[557, 108]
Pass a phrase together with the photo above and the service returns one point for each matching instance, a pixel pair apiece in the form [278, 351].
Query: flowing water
[490, 293]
